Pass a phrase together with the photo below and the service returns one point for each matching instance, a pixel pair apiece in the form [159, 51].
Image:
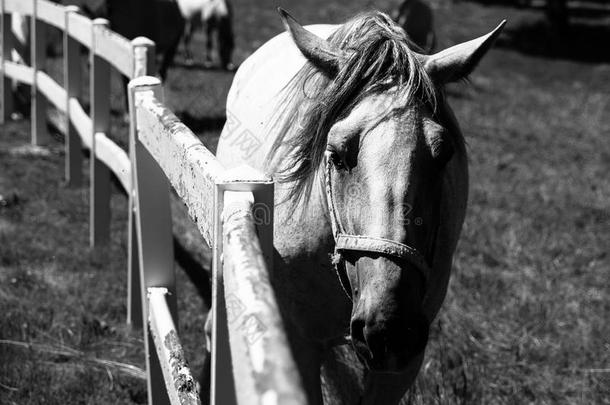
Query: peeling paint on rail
[182, 379]
[267, 373]
[190, 167]
[180, 384]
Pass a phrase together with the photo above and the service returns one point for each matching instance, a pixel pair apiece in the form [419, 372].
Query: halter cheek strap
[362, 243]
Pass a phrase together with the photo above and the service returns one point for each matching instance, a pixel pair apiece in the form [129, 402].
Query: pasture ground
[526, 316]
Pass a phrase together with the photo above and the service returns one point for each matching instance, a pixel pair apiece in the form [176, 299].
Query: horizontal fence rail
[116, 50]
[191, 168]
[80, 28]
[18, 6]
[266, 372]
[179, 382]
[51, 90]
[52, 14]
[221, 203]
[21, 73]
[233, 209]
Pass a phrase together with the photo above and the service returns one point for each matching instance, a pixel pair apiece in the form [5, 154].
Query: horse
[216, 18]
[158, 20]
[417, 19]
[371, 190]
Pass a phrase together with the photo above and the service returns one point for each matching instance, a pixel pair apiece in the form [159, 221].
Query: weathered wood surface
[179, 382]
[51, 13]
[190, 167]
[115, 49]
[80, 28]
[154, 229]
[25, 7]
[244, 178]
[19, 72]
[51, 90]
[265, 371]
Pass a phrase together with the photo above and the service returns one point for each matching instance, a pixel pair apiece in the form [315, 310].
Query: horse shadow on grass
[580, 41]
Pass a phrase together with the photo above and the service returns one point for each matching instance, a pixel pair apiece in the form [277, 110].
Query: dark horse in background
[158, 20]
[166, 22]
[417, 19]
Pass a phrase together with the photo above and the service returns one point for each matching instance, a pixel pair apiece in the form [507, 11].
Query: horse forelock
[381, 60]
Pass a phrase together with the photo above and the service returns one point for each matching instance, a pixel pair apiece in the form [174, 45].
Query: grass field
[527, 316]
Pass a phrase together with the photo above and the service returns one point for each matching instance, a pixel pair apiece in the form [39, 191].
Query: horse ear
[459, 61]
[317, 50]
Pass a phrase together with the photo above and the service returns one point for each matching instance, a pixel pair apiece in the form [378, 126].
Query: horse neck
[303, 238]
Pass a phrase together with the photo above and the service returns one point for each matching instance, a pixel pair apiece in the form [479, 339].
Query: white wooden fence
[233, 209]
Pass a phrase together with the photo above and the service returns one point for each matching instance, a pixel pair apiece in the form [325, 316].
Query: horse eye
[443, 154]
[337, 160]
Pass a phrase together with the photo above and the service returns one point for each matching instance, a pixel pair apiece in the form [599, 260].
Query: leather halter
[363, 243]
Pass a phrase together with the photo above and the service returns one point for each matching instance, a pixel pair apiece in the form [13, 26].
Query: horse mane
[381, 58]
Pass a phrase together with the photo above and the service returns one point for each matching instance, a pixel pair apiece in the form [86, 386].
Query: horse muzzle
[389, 346]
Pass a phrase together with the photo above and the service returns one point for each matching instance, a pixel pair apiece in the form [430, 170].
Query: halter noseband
[363, 243]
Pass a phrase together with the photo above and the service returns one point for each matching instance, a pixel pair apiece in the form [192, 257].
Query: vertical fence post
[222, 384]
[100, 117]
[154, 230]
[72, 83]
[143, 64]
[38, 41]
[6, 94]
[143, 57]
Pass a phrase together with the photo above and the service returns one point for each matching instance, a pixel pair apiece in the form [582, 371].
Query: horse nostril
[377, 341]
[389, 345]
[359, 340]
[357, 330]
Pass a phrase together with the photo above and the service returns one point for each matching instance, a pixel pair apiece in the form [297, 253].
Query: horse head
[387, 141]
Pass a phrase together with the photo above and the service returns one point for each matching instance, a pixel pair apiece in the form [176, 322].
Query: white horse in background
[417, 19]
[215, 17]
